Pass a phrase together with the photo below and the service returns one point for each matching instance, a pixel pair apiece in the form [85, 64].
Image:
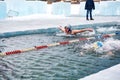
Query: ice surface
[12, 8]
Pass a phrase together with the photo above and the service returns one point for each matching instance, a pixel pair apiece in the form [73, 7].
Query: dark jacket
[89, 5]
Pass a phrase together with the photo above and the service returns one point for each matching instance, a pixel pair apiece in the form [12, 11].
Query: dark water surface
[54, 63]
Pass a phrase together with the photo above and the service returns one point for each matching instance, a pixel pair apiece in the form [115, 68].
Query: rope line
[51, 45]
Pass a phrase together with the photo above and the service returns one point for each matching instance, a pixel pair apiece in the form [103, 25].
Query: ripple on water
[53, 63]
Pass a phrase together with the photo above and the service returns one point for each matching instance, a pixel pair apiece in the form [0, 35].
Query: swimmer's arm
[61, 28]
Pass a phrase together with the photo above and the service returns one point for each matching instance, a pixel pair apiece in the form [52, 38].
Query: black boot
[91, 19]
[87, 19]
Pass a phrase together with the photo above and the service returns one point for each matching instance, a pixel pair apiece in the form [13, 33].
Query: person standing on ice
[89, 6]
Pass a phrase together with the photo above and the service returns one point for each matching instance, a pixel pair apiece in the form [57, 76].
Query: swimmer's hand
[60, 27]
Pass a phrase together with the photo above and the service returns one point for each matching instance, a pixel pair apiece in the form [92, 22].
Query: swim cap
[98, 44]
[69, 25]
[117, 33]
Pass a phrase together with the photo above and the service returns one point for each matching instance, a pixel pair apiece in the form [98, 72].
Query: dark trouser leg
[87, 15]
[91, 14]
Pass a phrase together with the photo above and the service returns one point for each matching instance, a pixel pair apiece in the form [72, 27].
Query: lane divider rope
[51, 45]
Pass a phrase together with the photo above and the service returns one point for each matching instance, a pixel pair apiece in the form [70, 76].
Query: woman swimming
[68, 30]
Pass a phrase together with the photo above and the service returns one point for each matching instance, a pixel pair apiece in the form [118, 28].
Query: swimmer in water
[107, 47]
[110, 46]
[68, 30]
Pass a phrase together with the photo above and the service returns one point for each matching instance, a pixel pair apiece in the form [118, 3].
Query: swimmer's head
[66, 27]
[117, 32]
[69, 25]
[98, 44]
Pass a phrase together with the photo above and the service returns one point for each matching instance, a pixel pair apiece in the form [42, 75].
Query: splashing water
[111, 45]
[107, 45]
[106, 29]
[103, 46]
